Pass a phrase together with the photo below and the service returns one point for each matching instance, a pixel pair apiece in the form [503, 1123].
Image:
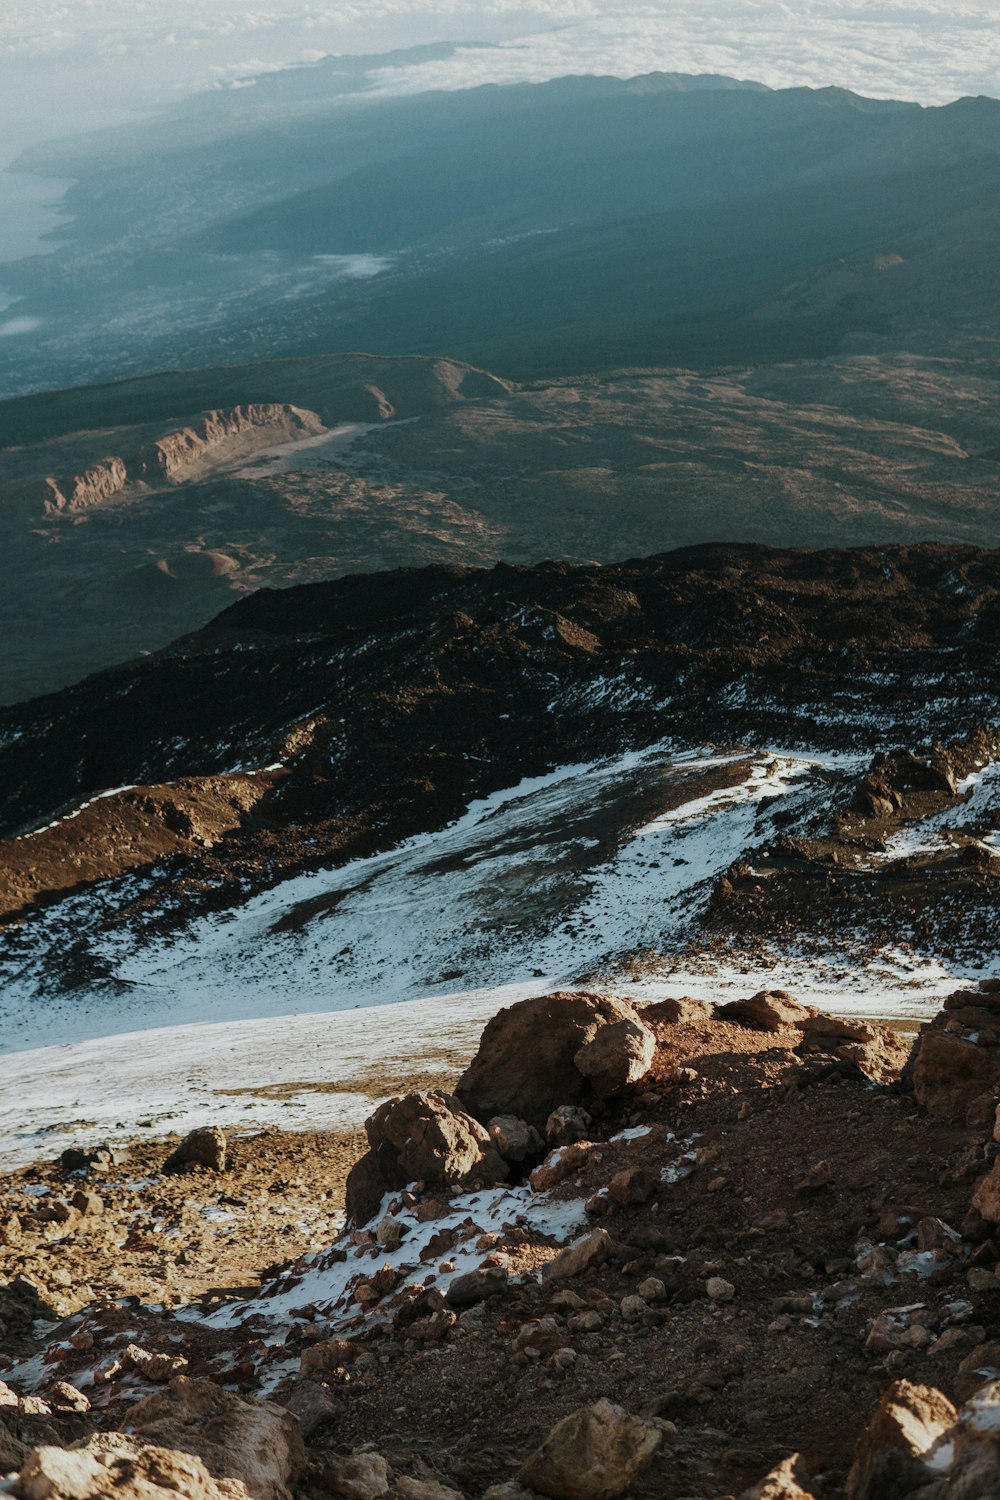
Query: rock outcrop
[768, 1010]
[183, 454]
[199, 1148]
[115, 1467]
[426, 1138]
[255, 1443]
[955, 1065]
[593, 1454]
[541, 1053]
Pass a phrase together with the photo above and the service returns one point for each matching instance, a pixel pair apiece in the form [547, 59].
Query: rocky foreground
[666, 1251]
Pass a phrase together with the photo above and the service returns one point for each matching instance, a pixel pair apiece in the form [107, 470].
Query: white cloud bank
[70, 65]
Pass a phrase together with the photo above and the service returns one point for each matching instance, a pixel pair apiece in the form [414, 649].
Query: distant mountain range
[544, 230]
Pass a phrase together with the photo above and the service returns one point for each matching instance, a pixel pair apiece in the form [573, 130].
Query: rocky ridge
[215, 438]
[758, 1238]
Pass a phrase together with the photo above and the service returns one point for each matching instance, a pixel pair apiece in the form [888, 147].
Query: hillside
[547, 772]
[578, 225]
[354, 463]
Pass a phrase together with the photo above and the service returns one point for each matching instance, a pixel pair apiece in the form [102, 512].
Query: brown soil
[797, 1166]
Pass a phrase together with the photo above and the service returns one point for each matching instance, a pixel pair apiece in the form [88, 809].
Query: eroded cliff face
[187, 453]
[99, 482]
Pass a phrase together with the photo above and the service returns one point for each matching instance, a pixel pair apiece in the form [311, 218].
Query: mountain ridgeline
[583, 224]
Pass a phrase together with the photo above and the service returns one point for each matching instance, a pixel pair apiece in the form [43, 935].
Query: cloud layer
[69, 64]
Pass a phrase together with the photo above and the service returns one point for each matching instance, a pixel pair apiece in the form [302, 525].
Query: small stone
[66, 1397]
[476, 1286]
[564, 1359]
[979, 1279]
[586, 1322]
[634, 1186]
[563, 1162]
[589, 1250]
[360, 1476]
[720, 1290]
[652, 1290]
[200, 1148]
[34, 1406]
[567, 1124]
[632, 1309]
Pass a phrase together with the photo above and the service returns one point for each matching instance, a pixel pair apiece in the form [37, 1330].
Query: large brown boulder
[424, 1138]
[892, 1457]
[116, 1467]
[593, 1454]
[768, 1010]
[255, 1443]
[878, 1051]
[955, 1064]
[529, 1056]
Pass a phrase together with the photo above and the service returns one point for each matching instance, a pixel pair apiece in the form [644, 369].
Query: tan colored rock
[786, 1482]
[949, 1072]
[632, 1186]
[564, 1162]
[891, 1458]
[768, 1010]
[115, 1467]
[986, 1197]
[424, 1489]
[360, 1476]
[589, 1250]
[323, 1360]
[526, 1062]
[619, 1055]
[66, 1397]
[567, 1125]
[678, 1012]
[257, 1443]
[421, 1138]
[514, 1139]
[877, 1050]
[158, 1368]
[593, 1454]
[200, 1148]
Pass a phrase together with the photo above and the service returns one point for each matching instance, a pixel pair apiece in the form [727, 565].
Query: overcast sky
[66, 65]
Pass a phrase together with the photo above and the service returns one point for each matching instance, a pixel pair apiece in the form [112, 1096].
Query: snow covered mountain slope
[698, 773]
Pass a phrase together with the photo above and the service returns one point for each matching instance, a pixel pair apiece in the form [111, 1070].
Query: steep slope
[434, 780]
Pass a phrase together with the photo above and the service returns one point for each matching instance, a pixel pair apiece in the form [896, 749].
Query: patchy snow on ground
[979, 805]
[551, 877]
[324, 1283]
[255, 1017]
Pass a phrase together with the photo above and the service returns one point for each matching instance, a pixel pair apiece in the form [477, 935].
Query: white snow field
[396, 962]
